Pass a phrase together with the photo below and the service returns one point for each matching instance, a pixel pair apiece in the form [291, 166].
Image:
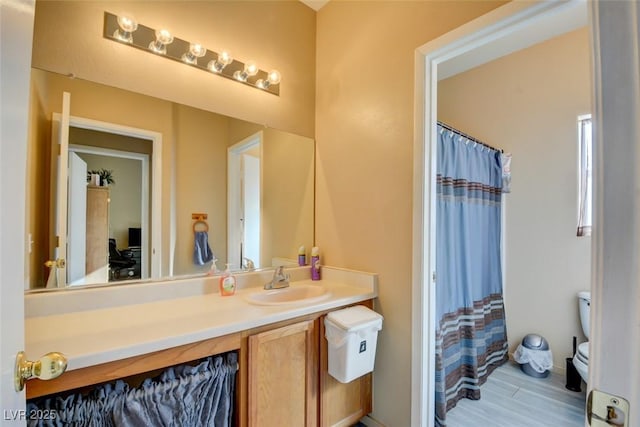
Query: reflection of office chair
[118, 262]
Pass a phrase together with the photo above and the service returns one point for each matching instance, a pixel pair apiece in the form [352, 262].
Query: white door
[60, 138]
[251, 207]
[16, 22]
[615, 289]
[77, 215]
[237, 228]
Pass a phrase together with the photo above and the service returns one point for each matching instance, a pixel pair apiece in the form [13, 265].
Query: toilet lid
[583, 350]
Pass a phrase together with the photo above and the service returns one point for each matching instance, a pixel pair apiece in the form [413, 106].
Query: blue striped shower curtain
[471, 338]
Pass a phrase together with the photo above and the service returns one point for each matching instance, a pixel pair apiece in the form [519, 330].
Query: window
[585, 187]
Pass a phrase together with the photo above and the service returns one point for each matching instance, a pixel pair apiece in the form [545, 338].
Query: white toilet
[581, 358]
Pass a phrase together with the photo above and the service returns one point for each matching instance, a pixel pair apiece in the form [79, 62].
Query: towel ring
[206, 226]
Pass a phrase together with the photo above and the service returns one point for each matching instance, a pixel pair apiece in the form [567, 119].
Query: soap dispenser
[227, 283]
[214, 268]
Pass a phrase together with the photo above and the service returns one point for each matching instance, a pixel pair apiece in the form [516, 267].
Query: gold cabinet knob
[49, 366]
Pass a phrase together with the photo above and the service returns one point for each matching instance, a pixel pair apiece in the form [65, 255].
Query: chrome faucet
[248, 264]
[279, 280]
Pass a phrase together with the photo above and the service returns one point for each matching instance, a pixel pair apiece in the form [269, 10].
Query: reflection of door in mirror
[57, 241]
[127, 195]
[244, 210]
[83, 224]
[77, 230]
[127, 204]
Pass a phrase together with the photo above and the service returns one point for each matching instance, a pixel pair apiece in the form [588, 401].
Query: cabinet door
[283, 376]
[341, 404]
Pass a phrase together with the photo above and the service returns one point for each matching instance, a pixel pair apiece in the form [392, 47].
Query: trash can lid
[535, 342]
[354, 317]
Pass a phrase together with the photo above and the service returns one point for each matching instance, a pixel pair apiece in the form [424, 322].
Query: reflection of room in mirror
[194, 163]
[124, 212]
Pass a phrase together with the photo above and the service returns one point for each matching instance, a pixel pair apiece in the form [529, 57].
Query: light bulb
[225, 58]
[196, 50]
[127, 26]
[273, 78]
[163, 38]
[250, 69]
[217, 65]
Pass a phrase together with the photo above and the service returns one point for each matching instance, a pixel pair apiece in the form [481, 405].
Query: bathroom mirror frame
[251, 110]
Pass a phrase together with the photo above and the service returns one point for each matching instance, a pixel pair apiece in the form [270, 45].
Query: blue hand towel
[202, 252]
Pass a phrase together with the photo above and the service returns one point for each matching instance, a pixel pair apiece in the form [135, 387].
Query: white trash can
[352, 334]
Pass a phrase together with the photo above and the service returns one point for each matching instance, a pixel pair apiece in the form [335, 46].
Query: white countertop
[94, 336]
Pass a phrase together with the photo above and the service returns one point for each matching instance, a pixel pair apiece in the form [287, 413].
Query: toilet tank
[584, 301]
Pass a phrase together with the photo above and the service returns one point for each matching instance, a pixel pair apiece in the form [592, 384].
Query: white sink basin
[294, 294]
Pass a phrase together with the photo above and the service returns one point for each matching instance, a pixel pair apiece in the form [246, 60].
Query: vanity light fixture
[159, 45]
[127, 26]
[196, 50]
[217, 65]
[126, 30]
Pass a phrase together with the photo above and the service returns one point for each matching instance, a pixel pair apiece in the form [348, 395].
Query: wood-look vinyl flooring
[510, 398]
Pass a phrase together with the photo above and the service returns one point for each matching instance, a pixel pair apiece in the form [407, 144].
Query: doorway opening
[505, 30]
[128, 206]
[93, 139]
[245, 202]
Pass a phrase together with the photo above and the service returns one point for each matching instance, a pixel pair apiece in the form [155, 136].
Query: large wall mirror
[139, 173]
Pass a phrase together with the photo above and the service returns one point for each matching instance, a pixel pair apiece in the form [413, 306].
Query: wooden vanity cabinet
[282, 381]
[286, 381]
[283, 377]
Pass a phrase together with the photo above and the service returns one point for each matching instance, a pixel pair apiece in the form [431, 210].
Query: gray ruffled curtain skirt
[181, 396]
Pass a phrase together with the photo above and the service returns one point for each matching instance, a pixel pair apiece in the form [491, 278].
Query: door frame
[495, 25]
[143, 158]
[614, 341]
[155, 237]
[234, 196]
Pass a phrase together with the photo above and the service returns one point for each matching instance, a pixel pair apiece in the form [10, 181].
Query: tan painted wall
[201, 183]
[68, 39]
[364, 137]
[287, 194]
[527, 103]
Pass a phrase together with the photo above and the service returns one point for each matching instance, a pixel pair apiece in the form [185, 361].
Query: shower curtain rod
[470, 138]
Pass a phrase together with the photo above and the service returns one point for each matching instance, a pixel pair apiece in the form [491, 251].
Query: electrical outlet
[604, 410]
